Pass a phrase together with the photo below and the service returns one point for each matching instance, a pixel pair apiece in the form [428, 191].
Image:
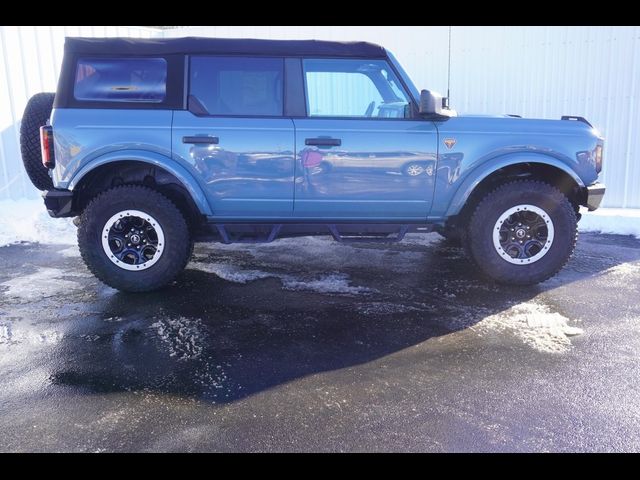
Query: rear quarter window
[142, 80]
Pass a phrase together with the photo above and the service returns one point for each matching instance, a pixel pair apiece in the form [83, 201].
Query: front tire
[521, 233]
[134, 239]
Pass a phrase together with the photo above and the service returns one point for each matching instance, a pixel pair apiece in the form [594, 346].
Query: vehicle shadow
[219, 340]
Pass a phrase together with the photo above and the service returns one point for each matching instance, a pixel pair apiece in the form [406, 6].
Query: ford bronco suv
[154, 144]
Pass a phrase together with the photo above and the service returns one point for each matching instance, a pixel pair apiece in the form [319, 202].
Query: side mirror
[432, 104]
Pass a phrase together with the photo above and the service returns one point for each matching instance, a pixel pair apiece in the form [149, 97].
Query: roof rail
[576, 119]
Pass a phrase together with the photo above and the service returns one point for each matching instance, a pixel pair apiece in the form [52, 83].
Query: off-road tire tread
[174, 226]
[36, 114]
[490, 198]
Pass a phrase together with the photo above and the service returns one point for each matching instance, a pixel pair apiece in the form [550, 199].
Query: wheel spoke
[117, 242]
[133, 240]
[523, 234]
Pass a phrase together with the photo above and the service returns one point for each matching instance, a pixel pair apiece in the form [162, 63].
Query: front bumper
[595, 193]
[59, 203]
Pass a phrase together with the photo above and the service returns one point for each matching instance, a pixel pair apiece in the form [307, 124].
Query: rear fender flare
[161, 161]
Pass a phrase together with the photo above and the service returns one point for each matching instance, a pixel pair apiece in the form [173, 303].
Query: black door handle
[201, 139]
[323, 142]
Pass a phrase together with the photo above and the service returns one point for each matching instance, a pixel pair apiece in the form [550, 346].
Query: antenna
[449, 71]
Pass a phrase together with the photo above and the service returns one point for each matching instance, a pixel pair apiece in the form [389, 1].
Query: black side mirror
[432, 104]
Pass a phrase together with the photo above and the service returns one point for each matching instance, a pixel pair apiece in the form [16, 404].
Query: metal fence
[543, 72]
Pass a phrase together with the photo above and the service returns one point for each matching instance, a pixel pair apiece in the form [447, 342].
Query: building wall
[531, 71]
[30, 59]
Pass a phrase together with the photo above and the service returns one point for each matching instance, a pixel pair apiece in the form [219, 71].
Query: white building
[541, 72]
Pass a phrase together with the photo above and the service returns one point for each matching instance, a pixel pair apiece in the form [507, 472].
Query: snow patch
[181, 336]
[385, 308]
[334, 283]
[331, 283]
[625, 271]
[24, 333]
[5, 333]
[230, 273]
[323, 254]
[621, 221]
[28, 221]
[424, 239]
[534, 324]
[45, 282]
[70, 252]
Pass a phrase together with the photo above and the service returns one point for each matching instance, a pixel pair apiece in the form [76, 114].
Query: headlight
[598, 158]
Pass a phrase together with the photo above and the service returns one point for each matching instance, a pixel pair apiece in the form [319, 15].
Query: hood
[566, 125]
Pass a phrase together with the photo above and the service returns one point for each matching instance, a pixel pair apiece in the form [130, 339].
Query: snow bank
[622, 221]
[28, 220]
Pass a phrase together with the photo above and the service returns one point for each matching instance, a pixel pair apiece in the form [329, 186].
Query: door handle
[323, 142]
[201, 139]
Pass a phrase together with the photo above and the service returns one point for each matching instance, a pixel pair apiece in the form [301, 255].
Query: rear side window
[141, 80]
[238, 86]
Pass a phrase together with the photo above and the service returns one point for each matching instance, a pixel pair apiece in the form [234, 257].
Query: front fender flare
[161, 161]
[478, 174]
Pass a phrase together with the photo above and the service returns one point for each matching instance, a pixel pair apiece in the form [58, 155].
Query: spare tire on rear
[36, 114]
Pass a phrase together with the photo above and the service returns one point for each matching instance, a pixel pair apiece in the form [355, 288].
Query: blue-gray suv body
[156, 143]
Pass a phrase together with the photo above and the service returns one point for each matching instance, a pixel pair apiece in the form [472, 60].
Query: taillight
[598, 158]
[46, 146]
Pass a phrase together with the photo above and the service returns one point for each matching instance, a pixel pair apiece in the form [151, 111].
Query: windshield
[413, 91]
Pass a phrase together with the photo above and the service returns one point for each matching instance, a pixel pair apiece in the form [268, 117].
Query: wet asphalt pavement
[306, 344]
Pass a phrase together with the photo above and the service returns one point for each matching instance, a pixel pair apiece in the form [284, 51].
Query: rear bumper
[595, 193]
[59, 203]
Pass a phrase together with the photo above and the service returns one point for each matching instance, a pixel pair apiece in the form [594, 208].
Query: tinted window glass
[238, 85]
[353, 88]
[121, 80]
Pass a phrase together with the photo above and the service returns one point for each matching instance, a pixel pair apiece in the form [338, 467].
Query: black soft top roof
[166, 46]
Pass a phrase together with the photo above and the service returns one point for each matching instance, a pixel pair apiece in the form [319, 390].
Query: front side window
[141, 80]
[353, 88]
[238, 86]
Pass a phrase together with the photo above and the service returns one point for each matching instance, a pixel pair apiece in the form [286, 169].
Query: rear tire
[36, 114]
[110, 262]
[500, 238]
